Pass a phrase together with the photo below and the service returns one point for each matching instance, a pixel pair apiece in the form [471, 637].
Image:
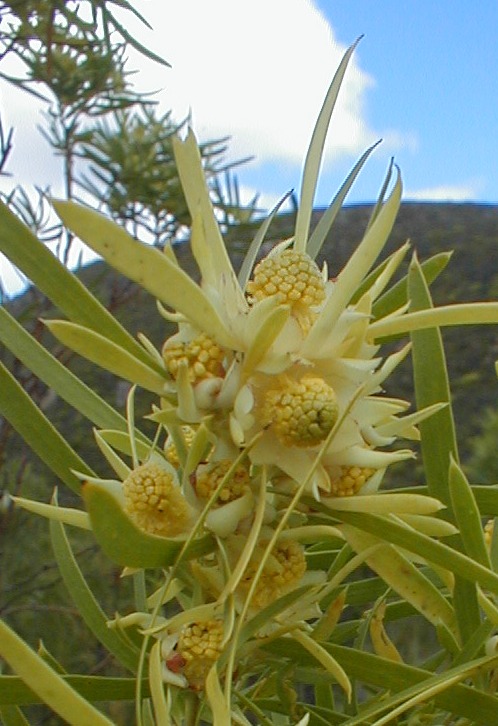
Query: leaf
[46, 683]
[397, 295]
[74, 517]
[315, 151]
[400, 574]
[85, 601]
[12, 716]
[63, 288]
[467, 515]
[431, 386]
[477, 313]
[479, 707]
[124, 543]
[427, 548]
[55, 375]
[319, 234]
[147, 266]
[38, 432]
[13, 690]
[354, 271]
[106, 354]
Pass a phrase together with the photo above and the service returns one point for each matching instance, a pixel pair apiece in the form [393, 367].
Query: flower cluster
[271, 418]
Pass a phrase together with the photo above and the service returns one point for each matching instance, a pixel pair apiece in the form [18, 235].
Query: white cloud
[445, 193]
[256, 71]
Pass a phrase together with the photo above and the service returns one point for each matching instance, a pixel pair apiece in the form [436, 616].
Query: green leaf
[479, 707]
[432, 386]
[106, 354]
[146, 265]
[38, 432]
[352, 274]
[124, 543]
[319, 234]
[427, 548]
[63, 288]
[13, 690]
[315, 151]
[12, 716]
[467, 515]
[57, 376]
[85, 601]
[48, 685]
[397, 295]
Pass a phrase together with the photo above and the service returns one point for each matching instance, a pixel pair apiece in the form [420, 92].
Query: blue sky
[424, 79]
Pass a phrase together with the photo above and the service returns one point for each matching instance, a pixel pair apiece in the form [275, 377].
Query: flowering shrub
[244, 518]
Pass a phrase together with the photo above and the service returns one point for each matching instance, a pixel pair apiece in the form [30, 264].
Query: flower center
[208, 477]
[350, 480]
[293, 277]
[155, 502]
[200, 645]
[303, 412]
[283, 570]
[203, 357]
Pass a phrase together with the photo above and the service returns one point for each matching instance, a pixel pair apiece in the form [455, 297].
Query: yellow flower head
[282, 572]
[199, 646]
[302, 413]
[350, 480]
[290, 276]
[155, 502]
[202, 356]
[208, 477]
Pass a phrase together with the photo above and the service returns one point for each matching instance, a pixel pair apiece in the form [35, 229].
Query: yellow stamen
[202, 355]
[282, 572]
[303, 412]
[155, 502]
[208, 477]
[293, 277]
[200, 645]
[350, 480]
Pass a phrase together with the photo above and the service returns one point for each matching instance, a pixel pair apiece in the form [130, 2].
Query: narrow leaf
[52, 278]
[47, 684]
[467, 515]
[55, 375]
[319, 234]
[85, 601]
[315, 151]
[146, 265]
[432, 386]
[38, 432]
[106, 354]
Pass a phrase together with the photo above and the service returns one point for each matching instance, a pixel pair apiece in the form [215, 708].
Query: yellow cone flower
[155, 502]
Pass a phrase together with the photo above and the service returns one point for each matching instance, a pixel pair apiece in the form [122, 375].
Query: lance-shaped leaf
[405, 579]
[319, 234]
[38, 432]
[146, 265]
[478, 313]
[315, 152]
[355, 270]
[106, 354]
[207, 243]
[63, 288]
[48, 684]
[85, 601]
[55, 375]
[127, 545]
[467, 515]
